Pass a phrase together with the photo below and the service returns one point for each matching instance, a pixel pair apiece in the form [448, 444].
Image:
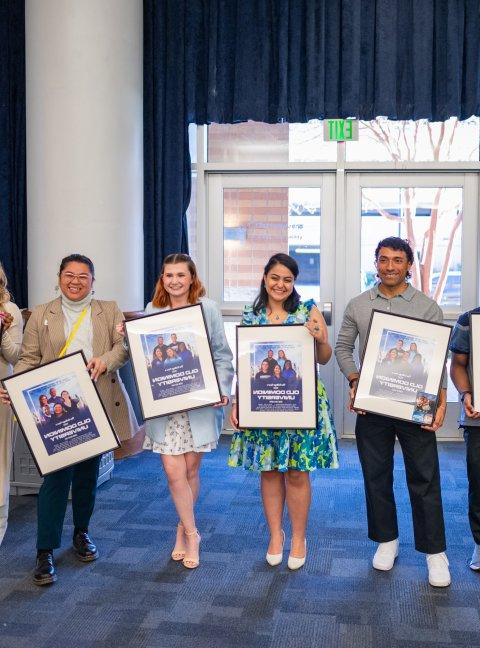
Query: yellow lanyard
[73, 332]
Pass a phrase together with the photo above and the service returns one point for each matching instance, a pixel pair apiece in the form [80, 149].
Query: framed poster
[402, 367]
[60, 413]
[277, 377]
[475, 358]
[172, 361]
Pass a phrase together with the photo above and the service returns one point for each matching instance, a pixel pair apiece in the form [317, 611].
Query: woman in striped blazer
[46, 332]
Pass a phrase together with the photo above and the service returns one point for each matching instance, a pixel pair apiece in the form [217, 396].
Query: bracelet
[464, 393]
[352, 381]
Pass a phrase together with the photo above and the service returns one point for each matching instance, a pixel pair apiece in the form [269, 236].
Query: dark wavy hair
[398, 244]
[77, 258]
[292, 301]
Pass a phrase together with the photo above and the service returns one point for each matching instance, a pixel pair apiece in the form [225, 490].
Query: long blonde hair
[4, 294]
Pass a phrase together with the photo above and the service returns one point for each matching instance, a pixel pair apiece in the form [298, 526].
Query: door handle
[327, 313]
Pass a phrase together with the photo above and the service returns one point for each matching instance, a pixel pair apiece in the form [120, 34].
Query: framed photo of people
[277, 377]
[402, 367]
[172, 361]
[475, 358]
[60, 413]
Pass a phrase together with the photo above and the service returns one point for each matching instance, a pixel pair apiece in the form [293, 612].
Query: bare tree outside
[401, 140]
[431, 219]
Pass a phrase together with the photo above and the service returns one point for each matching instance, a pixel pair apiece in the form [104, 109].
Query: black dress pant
[472, 438]
[53, 497]
[375, 442]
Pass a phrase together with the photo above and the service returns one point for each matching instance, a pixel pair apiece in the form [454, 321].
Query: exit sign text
[340, 130]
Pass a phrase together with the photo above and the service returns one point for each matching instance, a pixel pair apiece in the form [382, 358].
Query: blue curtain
[13, 214]
[167, 177]
[227, 61]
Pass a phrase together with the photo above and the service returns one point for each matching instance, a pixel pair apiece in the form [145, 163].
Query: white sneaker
[438, 572]
[475, 561]
[385, 555]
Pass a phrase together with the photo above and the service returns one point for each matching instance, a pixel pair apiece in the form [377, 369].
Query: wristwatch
[352, 381]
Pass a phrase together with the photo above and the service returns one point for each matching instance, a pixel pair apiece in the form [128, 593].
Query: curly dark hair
[398, 244]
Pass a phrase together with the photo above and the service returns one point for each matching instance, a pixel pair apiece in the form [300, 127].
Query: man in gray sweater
[376, 434]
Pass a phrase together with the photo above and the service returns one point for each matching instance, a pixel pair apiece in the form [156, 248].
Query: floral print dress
[178, 438]
[305, 450]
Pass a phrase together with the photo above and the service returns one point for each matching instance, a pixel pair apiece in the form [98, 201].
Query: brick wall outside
[262, 216]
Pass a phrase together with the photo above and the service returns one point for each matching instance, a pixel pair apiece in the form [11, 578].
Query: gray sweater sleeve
[345, 344]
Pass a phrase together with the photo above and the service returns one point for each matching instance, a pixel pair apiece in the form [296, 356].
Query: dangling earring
[93, 292]
[56, 288]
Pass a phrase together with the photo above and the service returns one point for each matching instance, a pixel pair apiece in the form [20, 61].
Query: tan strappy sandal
[178, 555]
[192, 563]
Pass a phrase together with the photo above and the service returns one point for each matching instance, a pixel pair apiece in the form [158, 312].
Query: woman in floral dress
[286, 457]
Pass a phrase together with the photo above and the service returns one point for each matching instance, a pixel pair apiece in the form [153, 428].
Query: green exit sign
[340, 130]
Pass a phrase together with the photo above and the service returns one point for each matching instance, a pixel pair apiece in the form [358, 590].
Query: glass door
[437, 214]
[257, 215]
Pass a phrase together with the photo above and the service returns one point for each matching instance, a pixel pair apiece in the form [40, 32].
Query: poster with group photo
[276, 377]
[174, 368]
[60, 413]
[402, 367]
[276, 371]
[172, 361]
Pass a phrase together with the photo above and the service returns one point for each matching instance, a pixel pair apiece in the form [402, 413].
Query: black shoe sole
[46, 580]
[86, 558]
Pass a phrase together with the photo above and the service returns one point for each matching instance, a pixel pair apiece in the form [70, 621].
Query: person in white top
[11, 327]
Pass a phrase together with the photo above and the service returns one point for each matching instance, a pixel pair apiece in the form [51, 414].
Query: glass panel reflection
[385, 140]
[261, 221]
[258, 142]
[431, 219]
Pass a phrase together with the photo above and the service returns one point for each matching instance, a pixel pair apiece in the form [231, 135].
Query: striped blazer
[44, 338]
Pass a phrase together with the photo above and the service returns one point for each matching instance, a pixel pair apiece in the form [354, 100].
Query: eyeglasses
[82, 277]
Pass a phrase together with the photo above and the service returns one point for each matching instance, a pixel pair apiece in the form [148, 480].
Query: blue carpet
[134, 595]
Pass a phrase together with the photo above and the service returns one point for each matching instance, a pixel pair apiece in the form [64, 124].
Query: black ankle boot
[44, 573]
[83, 547]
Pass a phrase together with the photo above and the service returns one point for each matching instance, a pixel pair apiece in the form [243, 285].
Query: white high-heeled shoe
[295, 563]
[275, 559]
